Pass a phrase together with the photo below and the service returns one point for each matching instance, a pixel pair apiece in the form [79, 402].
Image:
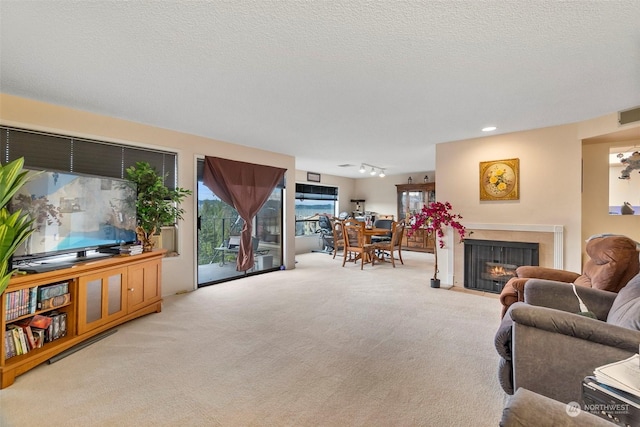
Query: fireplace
[489, 264]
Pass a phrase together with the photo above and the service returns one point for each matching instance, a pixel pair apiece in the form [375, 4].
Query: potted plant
[433, 218]
[15, 227]
[156, 204]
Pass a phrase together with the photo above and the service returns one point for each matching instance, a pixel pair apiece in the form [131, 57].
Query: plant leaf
[12, 177]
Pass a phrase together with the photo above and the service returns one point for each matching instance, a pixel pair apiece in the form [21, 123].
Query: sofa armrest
[560, 296]
[526, 408]
[552, 351]
[535, 272]
[573, 325]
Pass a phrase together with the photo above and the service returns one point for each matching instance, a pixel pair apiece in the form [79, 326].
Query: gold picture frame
[500, 180]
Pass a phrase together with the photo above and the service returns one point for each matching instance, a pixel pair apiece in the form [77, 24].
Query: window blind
[69, 154]
[316, 192]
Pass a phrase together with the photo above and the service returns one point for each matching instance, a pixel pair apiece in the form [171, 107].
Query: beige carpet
[319, 345]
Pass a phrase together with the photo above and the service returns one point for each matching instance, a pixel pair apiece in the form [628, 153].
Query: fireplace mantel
[451, 267]
[557, 230]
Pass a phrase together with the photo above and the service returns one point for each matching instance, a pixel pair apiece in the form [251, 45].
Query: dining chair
[350, 221]
[354, 242]
[338, 236]
[395, 244]
[382, 238]
[382, 223]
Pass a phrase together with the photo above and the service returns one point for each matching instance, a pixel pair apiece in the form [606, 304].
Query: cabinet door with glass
[101, 298]
[411, 197]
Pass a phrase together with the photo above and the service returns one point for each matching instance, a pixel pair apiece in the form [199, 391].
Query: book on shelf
[26, 301]
[39, 335]
[19, 338]
[623, 375]
[16, 340]
[126, 250]
[40, 321]
[50, 291]
[63, 324]
[54, 302]
[24, 324]
[9, 345]
[58, 327]
[17, 304]
[33, 299]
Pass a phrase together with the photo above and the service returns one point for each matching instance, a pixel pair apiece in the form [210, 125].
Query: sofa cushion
[625, 310]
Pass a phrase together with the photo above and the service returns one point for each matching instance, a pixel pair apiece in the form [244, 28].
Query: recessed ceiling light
[489, 129]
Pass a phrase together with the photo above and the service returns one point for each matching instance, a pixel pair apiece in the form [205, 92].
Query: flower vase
[435, 283]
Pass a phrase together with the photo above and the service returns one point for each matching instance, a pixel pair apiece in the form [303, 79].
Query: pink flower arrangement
[433, 218]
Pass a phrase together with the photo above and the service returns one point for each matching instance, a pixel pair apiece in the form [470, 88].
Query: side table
[616, 406]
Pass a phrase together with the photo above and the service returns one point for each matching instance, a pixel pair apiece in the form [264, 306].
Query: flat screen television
[75, 213]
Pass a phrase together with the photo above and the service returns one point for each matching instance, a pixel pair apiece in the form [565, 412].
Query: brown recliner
[613, 262]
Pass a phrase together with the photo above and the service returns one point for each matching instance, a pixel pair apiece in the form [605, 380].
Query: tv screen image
[75, 213]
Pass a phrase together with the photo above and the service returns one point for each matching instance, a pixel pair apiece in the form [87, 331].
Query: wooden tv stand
[103, 293]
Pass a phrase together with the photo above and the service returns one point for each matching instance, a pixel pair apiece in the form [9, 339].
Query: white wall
[550, 181]
[553, 188]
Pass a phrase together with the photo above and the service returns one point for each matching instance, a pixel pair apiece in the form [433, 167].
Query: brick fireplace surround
[549, 237]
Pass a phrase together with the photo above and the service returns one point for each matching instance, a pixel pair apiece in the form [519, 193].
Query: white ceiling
[329, 82]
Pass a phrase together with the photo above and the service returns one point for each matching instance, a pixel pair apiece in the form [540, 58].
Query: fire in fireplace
[489, 264]
[499, 271]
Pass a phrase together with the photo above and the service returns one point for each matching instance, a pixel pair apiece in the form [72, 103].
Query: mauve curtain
[246, 187]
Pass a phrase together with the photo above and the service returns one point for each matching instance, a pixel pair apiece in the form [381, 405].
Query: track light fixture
[375, 170]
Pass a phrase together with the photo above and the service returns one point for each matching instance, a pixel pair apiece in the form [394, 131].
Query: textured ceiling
[329, 82]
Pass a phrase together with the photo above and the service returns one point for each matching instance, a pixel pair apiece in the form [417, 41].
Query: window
[311, 202]
[69, 154]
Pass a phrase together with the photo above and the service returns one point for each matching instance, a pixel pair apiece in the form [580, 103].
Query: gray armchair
[546, 347]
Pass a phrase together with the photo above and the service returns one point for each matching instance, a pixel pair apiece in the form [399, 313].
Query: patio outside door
[219, 227]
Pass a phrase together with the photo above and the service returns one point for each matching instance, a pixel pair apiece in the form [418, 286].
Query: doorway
[219, 227]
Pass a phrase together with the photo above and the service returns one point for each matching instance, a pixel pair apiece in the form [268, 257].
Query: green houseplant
[433, 218]
[156, 204]
[15, 227]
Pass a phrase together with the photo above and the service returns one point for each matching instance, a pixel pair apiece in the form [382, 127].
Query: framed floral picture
[500, 180]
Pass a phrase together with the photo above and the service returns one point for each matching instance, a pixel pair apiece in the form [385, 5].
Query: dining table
[368, 232]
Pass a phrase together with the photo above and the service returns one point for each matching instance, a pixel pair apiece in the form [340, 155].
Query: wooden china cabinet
[411, 198]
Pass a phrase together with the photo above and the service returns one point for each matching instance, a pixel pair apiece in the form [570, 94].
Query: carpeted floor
[318, 345]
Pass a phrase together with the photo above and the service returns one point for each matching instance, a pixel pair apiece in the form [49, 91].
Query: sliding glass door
[219, 227]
